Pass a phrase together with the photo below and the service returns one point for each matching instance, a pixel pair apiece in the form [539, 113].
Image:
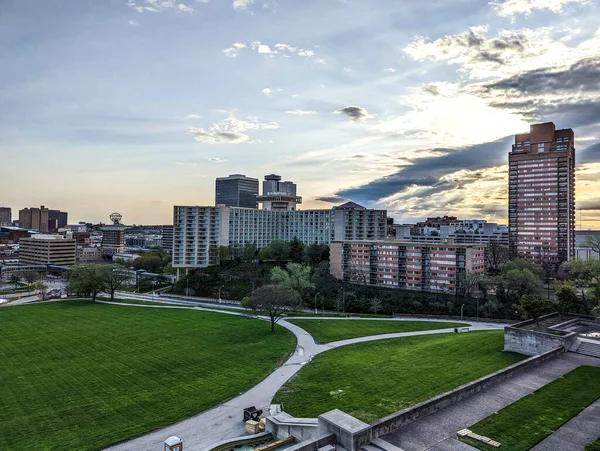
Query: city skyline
[137, 106]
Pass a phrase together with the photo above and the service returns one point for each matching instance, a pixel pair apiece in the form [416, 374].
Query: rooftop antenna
[116, 218]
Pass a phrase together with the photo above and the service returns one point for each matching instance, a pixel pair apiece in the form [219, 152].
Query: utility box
[173, 443]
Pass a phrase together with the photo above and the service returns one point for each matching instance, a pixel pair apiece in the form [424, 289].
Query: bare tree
[496, 256]
[593, 242]
[275, 301]
[376, 305]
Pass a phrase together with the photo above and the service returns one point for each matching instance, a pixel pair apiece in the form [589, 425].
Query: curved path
[225, 420]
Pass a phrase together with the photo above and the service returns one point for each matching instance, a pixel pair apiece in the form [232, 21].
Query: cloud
[240, 5]
[134, 23]
[306, 53]
[356, 113]
[231, 130]
[156, 6]
[263, 49]
[181, 163]
[267, 91]
[234, 50]
[509, 8]
[301, 112]
[185, 8]
[286, 48]
[192, 116]
[446, 169]
[216, 160]
[390, 69]
[347, 69]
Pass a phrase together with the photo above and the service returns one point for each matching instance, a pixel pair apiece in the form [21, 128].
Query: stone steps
[589, 348]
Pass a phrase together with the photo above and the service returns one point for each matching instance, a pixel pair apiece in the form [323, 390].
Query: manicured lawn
[326, 331]
[594, 446]
[374, 379]
[77, 375]
[139, 302]
[531, 419]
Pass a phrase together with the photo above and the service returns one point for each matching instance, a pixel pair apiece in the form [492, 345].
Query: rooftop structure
[278, 195]
[45, 249]
[237, 190]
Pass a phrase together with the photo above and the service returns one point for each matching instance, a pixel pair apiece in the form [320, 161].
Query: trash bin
[173, 443]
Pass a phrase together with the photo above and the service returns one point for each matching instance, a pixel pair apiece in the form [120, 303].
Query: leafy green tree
[316, 254]
[275, 301]
[523, 264]
[114, 277]
[224, 254]
[296, 250]
[324, 282]
[40, 288]
[87, 280]
[295, 276]
[246, 302]
[249, 252]
[151, 262]
[534, 306]
[280, 250]
[169, 269]
[516, 283]
[566, 300]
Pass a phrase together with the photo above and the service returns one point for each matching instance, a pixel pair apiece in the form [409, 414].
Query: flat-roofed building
[45, 249]
[5, 216]
[34, 218]
[406, 264]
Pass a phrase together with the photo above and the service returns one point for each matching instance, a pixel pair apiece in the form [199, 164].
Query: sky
[138, 105]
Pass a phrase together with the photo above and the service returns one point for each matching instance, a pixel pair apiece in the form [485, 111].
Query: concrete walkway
[437, 432]
[225, 420]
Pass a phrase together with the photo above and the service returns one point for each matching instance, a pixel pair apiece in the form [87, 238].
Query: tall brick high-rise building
[541, 212]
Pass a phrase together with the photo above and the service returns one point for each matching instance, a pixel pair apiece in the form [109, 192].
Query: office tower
[113, 236]
[541, 210]
[5, 216]
[237, 190]
[34, 218]
[43, 249]
[278, 195]
[405, 264]
[57, 219]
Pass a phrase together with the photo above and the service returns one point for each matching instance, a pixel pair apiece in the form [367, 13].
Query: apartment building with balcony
[405, 264]
[542, 195]
[199, 230]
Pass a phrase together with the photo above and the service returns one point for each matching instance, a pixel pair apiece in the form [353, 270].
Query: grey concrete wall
[300, 431]
[314, 444]
[529, 342]
[352, 434]
[403, 417]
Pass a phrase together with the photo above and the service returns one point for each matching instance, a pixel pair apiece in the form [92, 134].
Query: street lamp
[316, 294]
[220, 293]
[461, 311]
[477, 309]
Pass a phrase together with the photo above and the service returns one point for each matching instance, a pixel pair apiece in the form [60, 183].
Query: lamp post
[461, 311]
[477, 309]
[343, 300]
[220, 293]
[316, 294]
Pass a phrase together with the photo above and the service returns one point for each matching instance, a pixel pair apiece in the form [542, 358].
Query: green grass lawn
[528, 421]
[594, 446]
[374, 379]
[326, 331]
[139, 302]
[77, 375]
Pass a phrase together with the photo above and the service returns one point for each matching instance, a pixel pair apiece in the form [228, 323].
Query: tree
[249, 252]
[296, 250]
[316, 254]
[522, 264]
[295, 276]
[15, 278]
[114, 277]
[275, 300]
[30, 276]
[87, 280]
[593, 242]
[324, 282]
[280, 250]
[534, 306]
[516, 283]
[40, 288]
[496, 256]
[566, 299]
[375, 305]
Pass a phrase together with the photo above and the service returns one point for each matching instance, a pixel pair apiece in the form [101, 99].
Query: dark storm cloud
[489, 56]
[356, 113]
[583, 76]
[589, 205]
[431, 89]
[427, 172]
[332, 199]
[590, 154]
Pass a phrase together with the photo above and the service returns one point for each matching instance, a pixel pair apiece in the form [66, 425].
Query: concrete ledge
[403, 417]
[284, 425]
[314, 444]
[352, 434]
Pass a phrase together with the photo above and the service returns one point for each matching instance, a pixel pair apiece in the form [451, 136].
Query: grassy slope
[380, 377]
[326, 331]
[531, 419]
[81, 376]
